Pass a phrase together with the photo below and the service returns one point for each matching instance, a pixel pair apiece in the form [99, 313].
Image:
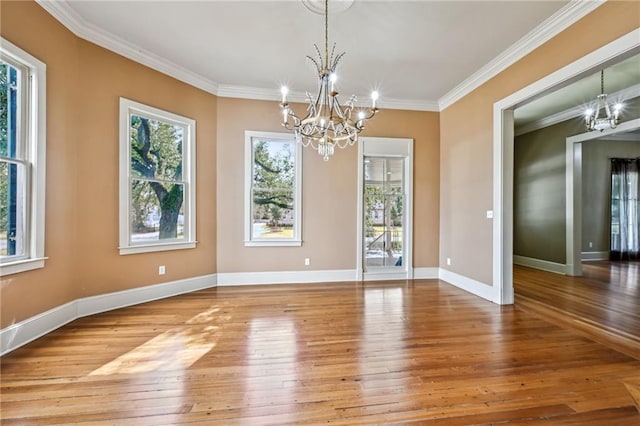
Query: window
[273, 182]
[157, 179]
[22, 159]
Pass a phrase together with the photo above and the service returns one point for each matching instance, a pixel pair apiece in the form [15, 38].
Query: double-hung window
[273, 184]
[157, 179]
[22, 159]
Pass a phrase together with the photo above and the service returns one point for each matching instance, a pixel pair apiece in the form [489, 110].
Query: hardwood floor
[420, 352]
[603, 304]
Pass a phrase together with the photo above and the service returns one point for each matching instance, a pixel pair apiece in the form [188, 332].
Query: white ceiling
[412, 52]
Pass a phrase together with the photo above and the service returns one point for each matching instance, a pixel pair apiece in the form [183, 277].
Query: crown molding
[64, 13]
[552, 26]
[245, 92]
[577, 111]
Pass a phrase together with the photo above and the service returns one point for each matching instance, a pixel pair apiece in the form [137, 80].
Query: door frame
[625, 46]
[393, 148]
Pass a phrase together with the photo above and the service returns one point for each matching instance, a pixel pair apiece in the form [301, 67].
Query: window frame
[31, 152]
[127, 109]
[249, 239]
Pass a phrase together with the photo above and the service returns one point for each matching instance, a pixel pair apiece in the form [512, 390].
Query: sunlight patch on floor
[175, 349]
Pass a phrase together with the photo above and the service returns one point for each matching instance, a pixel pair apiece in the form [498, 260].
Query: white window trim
[127, 107]
[249, 241]
[36, 129]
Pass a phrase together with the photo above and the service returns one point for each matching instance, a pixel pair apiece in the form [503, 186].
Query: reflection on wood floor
[604, 303]
[392, 352]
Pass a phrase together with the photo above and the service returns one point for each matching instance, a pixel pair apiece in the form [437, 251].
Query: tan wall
[84, 83]
[329, 192]
[466, 143]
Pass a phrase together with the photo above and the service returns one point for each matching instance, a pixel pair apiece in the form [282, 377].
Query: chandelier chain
[326, 32]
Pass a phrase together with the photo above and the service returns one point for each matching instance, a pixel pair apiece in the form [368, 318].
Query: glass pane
[384, 212]
[9, 112]
[12, 209]
[156, 149]
[273, 164]
[157, 211]
[273, 214]
[272, 195]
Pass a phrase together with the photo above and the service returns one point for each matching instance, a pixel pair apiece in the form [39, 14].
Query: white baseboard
[594, 255]
[468, 284]
[19, 334]
[426, 273]
[299, 277]
[544, 265]
[285, 277]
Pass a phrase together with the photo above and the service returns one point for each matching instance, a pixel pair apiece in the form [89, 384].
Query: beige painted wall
[329, 192]
[466, 137]
[84, 83]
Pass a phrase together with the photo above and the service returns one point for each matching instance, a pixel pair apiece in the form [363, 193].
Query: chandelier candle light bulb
[327, 124]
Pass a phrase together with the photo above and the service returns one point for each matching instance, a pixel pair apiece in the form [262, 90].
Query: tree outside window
[273, 190]
[156, 179]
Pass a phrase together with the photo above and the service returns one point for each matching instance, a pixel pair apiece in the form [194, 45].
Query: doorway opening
[503, 152]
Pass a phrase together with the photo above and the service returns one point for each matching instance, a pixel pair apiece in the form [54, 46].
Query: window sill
[21, 266]
[288, 243]
[149, 248]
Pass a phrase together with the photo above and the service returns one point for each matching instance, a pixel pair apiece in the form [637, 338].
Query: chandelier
[327, 124]
[592, 117]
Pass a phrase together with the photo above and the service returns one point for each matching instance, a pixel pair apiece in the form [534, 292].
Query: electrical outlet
[489, 214]
[307, 261]
[590, 244]
[448, 261]
[161, 270]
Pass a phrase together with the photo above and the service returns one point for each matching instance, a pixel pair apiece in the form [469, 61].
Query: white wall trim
[426, 273]
[591, 256]
[569, 14]
[544, 265]
[555, 24]
[120, 299]
[23, 332]
[61, 10]
[468, 284]
[285, 277]
[503, 149]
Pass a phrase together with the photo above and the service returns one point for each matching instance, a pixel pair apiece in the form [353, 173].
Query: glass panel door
[384, 200]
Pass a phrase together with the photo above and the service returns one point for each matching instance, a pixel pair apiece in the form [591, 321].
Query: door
[385, 189]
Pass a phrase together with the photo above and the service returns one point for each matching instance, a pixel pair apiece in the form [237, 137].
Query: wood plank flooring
[603, 304]
[418, 352]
